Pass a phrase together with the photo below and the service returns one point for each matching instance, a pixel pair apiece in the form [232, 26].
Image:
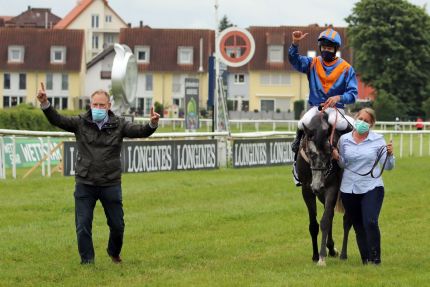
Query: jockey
[332, 81]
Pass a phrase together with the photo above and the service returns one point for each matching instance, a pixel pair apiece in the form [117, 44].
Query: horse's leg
[310, 200]
[332, 251]
[326, 223]
[347, 224]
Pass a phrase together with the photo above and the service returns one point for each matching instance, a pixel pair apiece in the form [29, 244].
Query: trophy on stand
[124, 81]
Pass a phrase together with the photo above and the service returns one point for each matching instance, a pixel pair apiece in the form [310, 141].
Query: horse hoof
[343, 257]
[333, 253]
[315, 258]
[321, 263]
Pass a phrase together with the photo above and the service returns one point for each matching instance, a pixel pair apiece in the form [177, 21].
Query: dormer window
[142, 54]
[275, 54]
[58, 54]
[16, 54]
[185, 55]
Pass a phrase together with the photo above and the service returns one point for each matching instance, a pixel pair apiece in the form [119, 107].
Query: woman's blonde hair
[370, 112]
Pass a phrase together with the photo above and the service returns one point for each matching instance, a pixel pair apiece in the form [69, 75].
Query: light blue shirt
[360, 158]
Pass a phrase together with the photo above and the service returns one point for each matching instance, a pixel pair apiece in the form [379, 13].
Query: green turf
[228, 227]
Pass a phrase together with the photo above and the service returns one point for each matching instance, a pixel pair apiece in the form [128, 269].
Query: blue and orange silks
[326, 79]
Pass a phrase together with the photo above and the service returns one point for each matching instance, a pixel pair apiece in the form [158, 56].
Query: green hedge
[26, 117]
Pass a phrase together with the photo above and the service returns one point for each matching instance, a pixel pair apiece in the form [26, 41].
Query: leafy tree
[387, 107]
[224, 23]
[426, 108]
[391, 42]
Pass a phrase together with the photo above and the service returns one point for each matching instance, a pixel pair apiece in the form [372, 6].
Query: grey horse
[321, 177]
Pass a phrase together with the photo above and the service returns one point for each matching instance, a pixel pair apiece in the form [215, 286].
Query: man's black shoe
[115, 259]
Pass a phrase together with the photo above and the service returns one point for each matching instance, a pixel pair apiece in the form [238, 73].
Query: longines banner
[147, 156]
[249, 153]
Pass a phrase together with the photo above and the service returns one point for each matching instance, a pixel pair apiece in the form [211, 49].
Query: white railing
[290, 125]
[406, 143]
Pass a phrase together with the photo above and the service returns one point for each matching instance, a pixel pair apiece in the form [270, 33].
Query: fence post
[2, 160]
[401, 145]
[411, 145]
[421, 144]
[48, 153]
[13, 157]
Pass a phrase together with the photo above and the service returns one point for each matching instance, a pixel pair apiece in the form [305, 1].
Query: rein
[381, 151]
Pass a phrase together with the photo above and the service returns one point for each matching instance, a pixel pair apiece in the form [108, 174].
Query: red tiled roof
[6, 18]
[164, 45]
[37, 44]
[75, 12]
[33, 17]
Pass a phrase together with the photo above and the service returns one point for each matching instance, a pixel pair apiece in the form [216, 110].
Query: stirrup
[295, 176]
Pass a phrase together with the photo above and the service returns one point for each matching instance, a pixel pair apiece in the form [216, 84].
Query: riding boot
[296, 143]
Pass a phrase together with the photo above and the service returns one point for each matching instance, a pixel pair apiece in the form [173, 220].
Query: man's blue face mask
[98, 114]
[328, 56]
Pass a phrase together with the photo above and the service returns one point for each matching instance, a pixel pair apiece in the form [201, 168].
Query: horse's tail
[339, 205]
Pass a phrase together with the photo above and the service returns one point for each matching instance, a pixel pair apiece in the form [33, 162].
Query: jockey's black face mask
[328, 56]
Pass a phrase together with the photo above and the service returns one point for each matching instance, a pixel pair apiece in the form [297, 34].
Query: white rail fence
[406, 143]
[289, 125]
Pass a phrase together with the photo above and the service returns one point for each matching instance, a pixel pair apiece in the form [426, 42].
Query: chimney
[28, 7]
[141, 24]
[129, 25]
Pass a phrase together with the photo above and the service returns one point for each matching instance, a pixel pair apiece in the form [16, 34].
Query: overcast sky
[200, 13]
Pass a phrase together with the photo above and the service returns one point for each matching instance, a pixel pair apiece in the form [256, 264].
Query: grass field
[228, 227]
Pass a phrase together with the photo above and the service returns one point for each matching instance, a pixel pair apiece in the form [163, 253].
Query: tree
[387, 107]
[224, 23]
[391, 42]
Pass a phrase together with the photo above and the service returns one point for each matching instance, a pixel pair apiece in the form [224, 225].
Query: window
[275, 79]
[185, 55]
[267, 105]
[22, 81]
[58, 54]
[95, 43]
[6, 81]
[176, 84]
[64, 82]
[60, 103]
[16, 54]
[233, 52]
[109, 39]
[11, 101]
[49, 81]
[95, 21]
[108, 18]
[239, 78]
[148, 82]
[142, 53]
[148, 105]
[312, 54]
[275, 54]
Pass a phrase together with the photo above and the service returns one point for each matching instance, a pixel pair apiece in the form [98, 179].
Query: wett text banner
[265, 152]
[148, 156]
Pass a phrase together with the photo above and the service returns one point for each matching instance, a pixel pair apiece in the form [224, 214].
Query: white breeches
[341, 124]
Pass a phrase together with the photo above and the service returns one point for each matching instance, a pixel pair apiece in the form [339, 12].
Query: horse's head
[318, 149]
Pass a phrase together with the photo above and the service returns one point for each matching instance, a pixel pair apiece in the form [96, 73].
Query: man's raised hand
[41, 95]
[154, 117]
